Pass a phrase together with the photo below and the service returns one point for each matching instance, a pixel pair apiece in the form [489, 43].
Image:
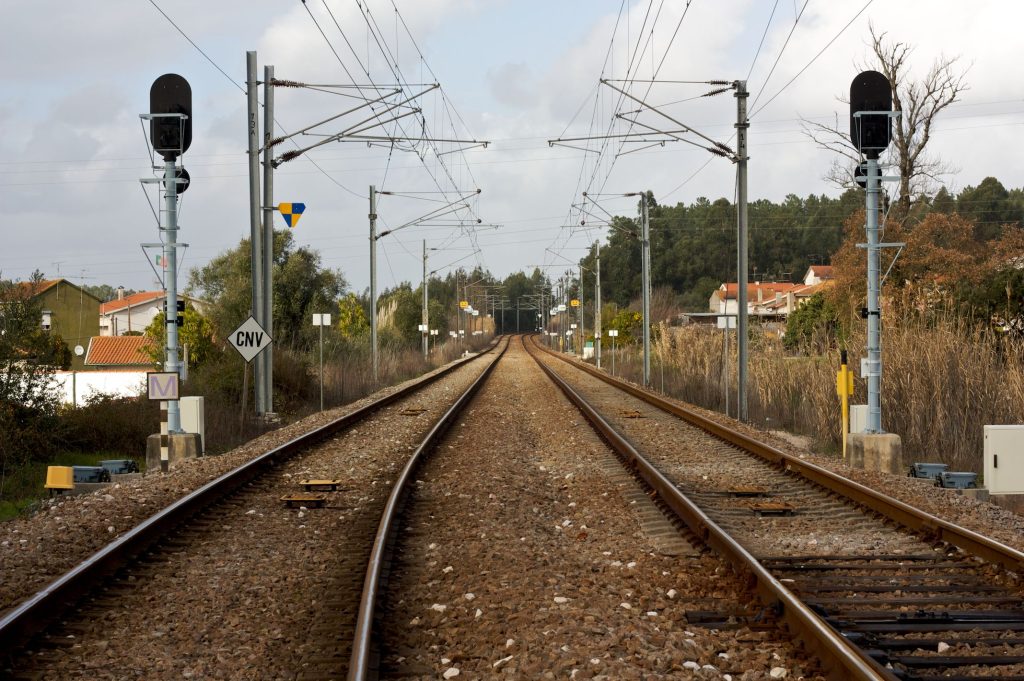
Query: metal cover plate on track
[307, 500]
[773, 508]
[320, 485]
[631, 414]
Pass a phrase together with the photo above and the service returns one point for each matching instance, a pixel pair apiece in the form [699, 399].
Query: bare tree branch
[920, 102]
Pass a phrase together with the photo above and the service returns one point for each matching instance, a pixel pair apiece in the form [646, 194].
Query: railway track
[229, 581]
[525, 551]
[236, 585]
[875, 588]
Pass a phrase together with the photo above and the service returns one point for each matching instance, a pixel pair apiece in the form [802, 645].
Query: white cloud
[82, 77]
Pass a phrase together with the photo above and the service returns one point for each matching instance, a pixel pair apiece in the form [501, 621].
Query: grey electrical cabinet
[193, 419]
[1004, 459]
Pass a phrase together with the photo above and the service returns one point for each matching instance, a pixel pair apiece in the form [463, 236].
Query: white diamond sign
[250, 339]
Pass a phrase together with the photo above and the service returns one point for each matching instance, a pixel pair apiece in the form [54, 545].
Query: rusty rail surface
[30, 617]
[361, 661]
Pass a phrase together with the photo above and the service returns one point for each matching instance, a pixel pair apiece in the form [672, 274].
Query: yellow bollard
[844, 388]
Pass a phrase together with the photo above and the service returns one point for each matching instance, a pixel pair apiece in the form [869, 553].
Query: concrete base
[876, 452]
[979, 493]
[1011, 502]
[182, 446]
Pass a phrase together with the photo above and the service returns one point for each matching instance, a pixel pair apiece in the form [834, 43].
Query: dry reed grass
[942, 382]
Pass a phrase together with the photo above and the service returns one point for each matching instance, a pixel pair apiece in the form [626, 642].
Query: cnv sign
[250, 339]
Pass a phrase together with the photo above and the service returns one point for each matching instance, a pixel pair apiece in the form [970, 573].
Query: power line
[781, 52]
[761, 44]
[185, 35]
[813, 59]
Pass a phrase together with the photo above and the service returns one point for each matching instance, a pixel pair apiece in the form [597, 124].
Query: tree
[989, 206]
[196, 332]
[813, 326]
[352, 322]
[29, 397]
[302, 286]
[920, 102]
[629, 325]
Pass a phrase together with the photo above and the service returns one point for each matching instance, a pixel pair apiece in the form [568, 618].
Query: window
[47, 320]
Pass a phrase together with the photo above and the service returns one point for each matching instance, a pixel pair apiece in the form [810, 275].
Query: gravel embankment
[253, 589]
[37, 549]
[524, 558]
[980, 516]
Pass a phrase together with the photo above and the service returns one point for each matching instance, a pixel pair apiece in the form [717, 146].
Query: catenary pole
[255, 230]
[426, 322]
[373, 281]
[267, 356]
[597, 309]
[741, 249]
[646, 262]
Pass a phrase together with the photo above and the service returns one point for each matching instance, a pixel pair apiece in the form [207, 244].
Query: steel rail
[30, 617]
[361, 658]
[842, 659]
[900, 512]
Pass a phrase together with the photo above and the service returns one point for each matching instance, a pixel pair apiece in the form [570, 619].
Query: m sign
[250, 339]
[162, 385]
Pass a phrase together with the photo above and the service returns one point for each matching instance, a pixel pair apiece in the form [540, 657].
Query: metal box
[858, 418]
[958, 480]
[1004, 459]
[119, 466]
[193, 418]
[932, 471]
[90, 474]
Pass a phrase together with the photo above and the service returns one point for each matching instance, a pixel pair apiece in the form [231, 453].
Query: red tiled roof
[118, 351]
[768, 290]
[31, 289]
[134, 299]
[822, 271]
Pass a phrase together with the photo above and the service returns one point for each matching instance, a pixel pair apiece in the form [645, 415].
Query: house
[120, 353]
[817, 274]
[769, 301]
[724, 299]
[133, 313]
[68, 311]
[783, 305]
[114, 365]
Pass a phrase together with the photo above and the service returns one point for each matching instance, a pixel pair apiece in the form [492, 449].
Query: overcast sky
[514, 72]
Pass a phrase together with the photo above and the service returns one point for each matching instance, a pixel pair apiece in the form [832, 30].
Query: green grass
[24, 486]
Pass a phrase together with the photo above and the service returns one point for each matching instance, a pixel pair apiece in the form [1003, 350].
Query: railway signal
[170, 133]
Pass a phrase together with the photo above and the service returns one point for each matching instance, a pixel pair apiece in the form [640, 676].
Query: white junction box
[193, 418]
[858, 418]
[1004, 459]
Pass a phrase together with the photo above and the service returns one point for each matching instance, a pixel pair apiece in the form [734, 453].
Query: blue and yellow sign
[291, 212]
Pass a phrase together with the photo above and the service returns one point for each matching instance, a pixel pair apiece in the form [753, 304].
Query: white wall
[120, 383]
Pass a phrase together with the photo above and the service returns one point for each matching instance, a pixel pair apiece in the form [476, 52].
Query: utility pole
[646, 258]
[874, 311]
[597, 309]
[255, 229]
[267, 356]
[741, 249]
[582, 334]
[426, 322]
[373, 281]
